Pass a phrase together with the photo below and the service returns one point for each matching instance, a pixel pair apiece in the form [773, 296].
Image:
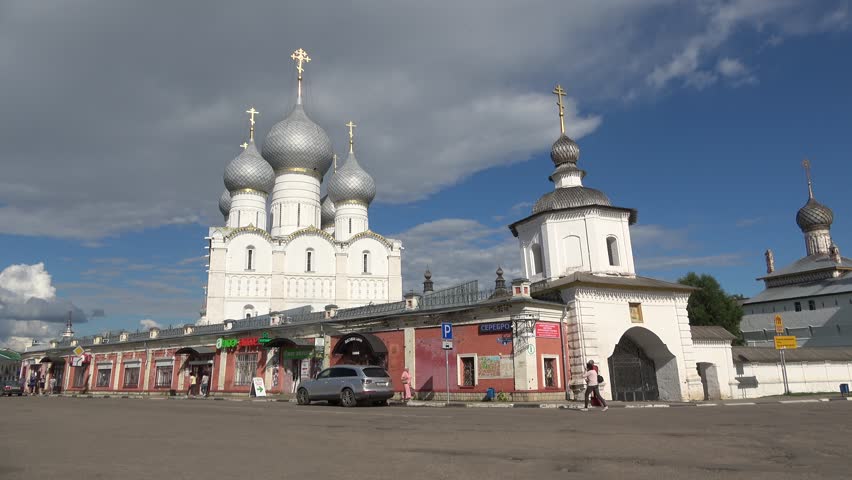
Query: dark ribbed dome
[564, 150]
[814, 216]
[571, 197]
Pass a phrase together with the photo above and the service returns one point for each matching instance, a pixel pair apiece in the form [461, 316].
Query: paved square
[80, 438]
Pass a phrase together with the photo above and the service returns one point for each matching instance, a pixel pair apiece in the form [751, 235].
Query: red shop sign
[547, 330]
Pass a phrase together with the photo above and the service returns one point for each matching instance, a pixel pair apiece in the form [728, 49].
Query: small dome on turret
[225, 203]
[326, 211]
[351, 183]
[814, 216]
[249, 171]
[564, 150]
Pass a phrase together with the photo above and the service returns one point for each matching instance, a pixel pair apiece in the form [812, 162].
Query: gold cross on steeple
[560, 92]
[244, 145]
[807, 164]
[300, 56]
[252, 112]
[351, 135]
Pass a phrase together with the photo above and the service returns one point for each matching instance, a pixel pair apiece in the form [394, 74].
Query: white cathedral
[284, 247]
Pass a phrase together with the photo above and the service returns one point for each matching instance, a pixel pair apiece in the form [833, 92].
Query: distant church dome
[564, 150]
[571, 198]
[814, 216]
[249, 171]
[351, 182]
[225, 203]
[326, 211]
[298, 143]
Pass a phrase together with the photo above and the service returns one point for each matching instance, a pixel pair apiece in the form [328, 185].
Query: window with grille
[811, 305]
[131, 376]
[80, 376]
[797, 306]
[164, 377]
[104, 375]
[468, 371]
[245, 368]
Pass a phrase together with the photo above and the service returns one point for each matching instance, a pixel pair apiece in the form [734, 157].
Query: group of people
[36, 383]
[204, 389]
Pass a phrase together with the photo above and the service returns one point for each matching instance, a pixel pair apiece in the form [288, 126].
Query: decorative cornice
[246, 230]
[307, 231]
[606, 294]
[370, 234]
[249, 191]
[299, 171]
[351, 202]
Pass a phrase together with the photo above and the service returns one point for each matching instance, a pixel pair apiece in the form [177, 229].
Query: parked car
[12, 388]
[347, 385]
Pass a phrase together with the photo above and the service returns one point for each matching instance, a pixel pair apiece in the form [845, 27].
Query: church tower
[815, 219]
[351, 190]
[248, 180]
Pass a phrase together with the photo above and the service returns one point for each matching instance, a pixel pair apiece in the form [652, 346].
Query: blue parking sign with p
[446, 331]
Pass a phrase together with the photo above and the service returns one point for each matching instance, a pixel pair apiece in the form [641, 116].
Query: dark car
[347, 385]
[12, 388]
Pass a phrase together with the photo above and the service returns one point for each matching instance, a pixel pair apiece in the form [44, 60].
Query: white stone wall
[802, 377]
[718, 353]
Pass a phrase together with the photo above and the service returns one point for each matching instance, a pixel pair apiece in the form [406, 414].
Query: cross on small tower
[351, 135]
[300, 56]
[244, 145]
[560, 92]
[252, 112]
[807, 164]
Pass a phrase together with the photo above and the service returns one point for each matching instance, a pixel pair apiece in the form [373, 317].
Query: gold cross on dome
[300, 56]
[351, 135]
[252, 112]
[560, 92]
[807, 164]
[244, 145]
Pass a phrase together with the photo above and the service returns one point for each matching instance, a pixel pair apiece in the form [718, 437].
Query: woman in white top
[591, 377]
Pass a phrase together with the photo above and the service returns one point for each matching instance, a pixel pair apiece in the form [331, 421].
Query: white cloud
[457, 250]
[736, 71]
[148, 323]
[29, 308]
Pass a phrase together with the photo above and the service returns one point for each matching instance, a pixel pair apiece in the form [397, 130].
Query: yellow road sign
[785, 342]
[79, 350]
[779, 325]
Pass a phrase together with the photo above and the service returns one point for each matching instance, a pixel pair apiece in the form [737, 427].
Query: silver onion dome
[351, 182]
[814, 216]
[298, 142]
[571, 197]
[249, 171]
[326, 211]
[225, 203]
[564, 150]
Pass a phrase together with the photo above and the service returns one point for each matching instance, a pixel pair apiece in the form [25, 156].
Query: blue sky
[709, 153]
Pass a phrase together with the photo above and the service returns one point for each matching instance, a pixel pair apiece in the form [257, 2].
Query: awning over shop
[52, 360]
[195, 351]
[289, 342]
[372, 342]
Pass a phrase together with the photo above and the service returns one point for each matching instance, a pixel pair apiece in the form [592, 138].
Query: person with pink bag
[406, 385]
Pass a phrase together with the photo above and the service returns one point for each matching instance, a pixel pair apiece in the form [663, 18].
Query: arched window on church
[536, 259]
[250, 257]
[612, 250]
[248, 311]
[365, 257]
[309, 260]
[350, 226]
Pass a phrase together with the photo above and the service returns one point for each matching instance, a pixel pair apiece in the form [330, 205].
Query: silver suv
[347, 385]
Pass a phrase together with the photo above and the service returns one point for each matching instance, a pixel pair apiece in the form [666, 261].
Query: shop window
[245, 368]
[636, 313]
[797, 306]
[551, 377]
[104, 374]
[612, 250]
[131, 376]
[537, 266]
[164, 377]
[80, 377]
[467, 370]
[811, 305]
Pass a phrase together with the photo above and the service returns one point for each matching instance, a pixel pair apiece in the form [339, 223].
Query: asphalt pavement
[115, 438]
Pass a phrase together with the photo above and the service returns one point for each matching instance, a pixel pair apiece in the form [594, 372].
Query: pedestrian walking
[593, 379]
[406, 385]
[32, 384]
[52, 383]
[205, 384]
[41, 384]
[192, 381]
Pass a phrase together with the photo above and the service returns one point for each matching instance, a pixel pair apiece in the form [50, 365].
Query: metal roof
[585, 278]
[806, 354]
[809, 264]
[700, 332]
[10, 355]
[830, 286]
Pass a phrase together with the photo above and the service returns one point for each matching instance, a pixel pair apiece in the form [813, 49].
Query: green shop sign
[298, 353]
[242, 342]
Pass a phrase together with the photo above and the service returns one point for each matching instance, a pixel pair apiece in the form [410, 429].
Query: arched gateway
[361, 349]
[643, 369]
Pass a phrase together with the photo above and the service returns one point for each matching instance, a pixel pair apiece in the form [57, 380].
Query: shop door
[58, 372]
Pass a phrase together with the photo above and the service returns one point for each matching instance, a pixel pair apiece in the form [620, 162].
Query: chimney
[330, 311]
[521, 287]
[412, 301]
[427, 284]
[770, 261]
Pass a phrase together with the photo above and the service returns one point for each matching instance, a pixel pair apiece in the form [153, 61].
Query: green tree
[710, 305]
